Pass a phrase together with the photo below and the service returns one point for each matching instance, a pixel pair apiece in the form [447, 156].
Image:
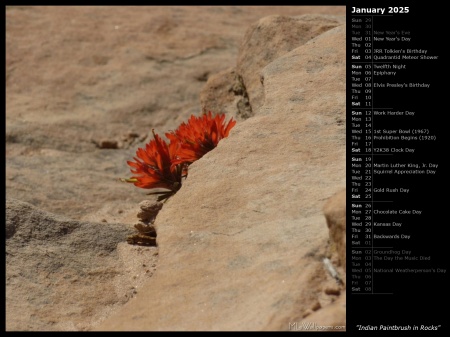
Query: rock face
[335, 213]
[241, 245]
[64, 274]
[240, 90]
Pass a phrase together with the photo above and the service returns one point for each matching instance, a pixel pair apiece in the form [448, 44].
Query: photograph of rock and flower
[188, 162]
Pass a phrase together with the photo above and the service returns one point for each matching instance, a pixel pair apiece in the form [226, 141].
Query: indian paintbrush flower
[162, 165]
[153, 167]
[199, 136]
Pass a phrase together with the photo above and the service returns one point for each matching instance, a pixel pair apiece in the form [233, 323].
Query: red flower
[199, 136]
[153, 167]
[162, 165]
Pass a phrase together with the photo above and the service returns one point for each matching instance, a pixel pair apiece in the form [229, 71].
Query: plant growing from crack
[162, 165]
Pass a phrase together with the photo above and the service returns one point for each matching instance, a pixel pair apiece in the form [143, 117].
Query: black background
[416, 299]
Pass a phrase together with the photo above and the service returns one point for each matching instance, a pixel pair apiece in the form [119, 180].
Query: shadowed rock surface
[64, 274]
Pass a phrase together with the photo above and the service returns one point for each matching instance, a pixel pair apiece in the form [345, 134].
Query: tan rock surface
[239, 91]
[335, 213]
[242, 242]
[64, 274]
[272, 37]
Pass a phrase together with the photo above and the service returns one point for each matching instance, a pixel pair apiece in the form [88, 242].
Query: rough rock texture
[272, 37]
[241, 244]
[335, 213]
[239, 91]
[64, 274]
[85, 86]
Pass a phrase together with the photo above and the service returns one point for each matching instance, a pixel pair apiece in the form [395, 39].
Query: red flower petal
[200, 135]
[153, 168]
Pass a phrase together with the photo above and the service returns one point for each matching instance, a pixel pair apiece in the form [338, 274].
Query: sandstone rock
[333, 291]
[150, 207]
[79, 73]
[108, 144]
[146, 230]
[241, 243]
[272, 37]
[330, 318]
[264, 41]
[247, 227]
[64, 274]
[220, 95]
[335, 213]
